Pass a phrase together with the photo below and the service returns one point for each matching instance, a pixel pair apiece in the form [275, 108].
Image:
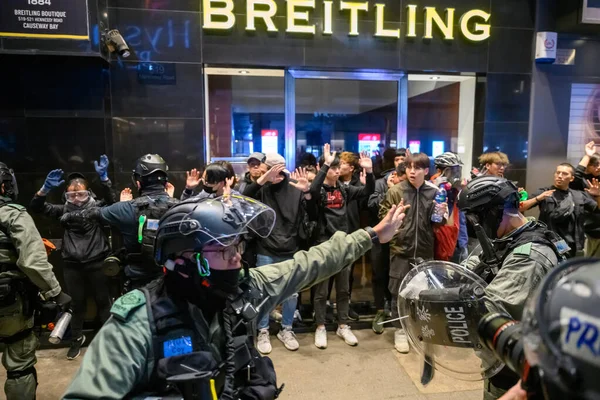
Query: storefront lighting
[435, 78]
[244, 71]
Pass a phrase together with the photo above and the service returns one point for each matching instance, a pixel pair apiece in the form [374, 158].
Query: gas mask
[453, 177]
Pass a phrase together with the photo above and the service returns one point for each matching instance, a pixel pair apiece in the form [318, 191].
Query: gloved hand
[70, 217]
[102, 167]
[53, 180]
[63, 300]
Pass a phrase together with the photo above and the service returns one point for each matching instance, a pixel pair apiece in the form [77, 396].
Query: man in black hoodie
[288, 198]
[587, 170]
[332, 198]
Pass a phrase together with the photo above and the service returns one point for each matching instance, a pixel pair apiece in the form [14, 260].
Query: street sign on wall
[44, 19]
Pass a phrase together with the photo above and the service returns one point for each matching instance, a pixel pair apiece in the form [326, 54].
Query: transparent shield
[225, 218]
[442, 304]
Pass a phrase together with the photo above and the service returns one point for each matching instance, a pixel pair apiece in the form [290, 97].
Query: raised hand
[170, 189]
[365, 162]
[300, 176]
[363, 177]
[388, 226]
[102, 167]
[227, 187]
[193, 179]
[53, 180]
[590, 149]
[328, 156]
[390, 180]
[126, 195]
[594, 188]
[271, 174]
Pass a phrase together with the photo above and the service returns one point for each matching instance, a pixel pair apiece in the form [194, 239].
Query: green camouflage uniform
[120, 359]
[22, 256]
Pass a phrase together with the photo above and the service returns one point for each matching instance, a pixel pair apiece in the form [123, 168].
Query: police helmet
[149, 164]
[447, 160]
[192, 224]
[561, 330]
[7, 178]
[487, 193]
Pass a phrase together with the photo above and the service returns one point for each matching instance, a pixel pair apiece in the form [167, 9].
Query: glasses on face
[254, 165]
[501, 165]
[80, 195]
[230, 251]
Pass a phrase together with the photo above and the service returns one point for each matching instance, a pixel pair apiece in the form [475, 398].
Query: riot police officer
[195, 324]
[137, 219]
[517, 252]
[24, 274]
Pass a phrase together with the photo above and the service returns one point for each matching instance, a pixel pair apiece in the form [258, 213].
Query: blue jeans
[288, 305]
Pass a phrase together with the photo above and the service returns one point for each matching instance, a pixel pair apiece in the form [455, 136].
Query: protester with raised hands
[287, 195]
[212, 182]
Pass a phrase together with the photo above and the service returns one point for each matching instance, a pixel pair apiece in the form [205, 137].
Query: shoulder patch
[127, 303]
[523, 250]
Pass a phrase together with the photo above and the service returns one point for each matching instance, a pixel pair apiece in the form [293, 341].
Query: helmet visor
[238, 215]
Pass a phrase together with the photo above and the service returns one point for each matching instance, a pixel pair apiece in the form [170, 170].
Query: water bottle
[438, 213]
[60, 328]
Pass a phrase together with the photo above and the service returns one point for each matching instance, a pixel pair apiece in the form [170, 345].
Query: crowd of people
[339, 192]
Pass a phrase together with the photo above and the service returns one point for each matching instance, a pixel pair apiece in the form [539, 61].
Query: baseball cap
[257, 156]
[273, 159]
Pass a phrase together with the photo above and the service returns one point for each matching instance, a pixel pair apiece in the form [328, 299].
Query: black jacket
[290, 209]
[591, 225]
[244, 183]
[332, 203]
[381, 188]
[83, 241]
[355, 205]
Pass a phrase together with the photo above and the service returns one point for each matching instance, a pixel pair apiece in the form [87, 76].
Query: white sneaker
[321, 338]
[400, 341]
[288, 338]
[263, 342]
[346, 334]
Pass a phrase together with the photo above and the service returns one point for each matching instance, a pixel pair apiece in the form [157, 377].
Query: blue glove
[102, 167]
[53, 180]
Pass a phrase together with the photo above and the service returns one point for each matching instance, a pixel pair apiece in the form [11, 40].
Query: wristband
[373, 234]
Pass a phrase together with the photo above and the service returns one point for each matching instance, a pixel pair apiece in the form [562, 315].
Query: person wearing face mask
[451, 239]
[218, 179]
[189, 334]
[84, 245]
[136, 219]
[256, 169]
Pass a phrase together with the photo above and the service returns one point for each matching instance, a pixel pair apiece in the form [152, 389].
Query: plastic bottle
[438, 213]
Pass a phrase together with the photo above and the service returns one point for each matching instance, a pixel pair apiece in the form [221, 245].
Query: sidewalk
[372, 370]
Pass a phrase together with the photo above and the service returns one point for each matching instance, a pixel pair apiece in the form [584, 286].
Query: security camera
[115, 43]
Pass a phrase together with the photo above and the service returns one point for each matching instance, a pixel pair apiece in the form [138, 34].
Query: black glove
[70, 217]
[63, 300]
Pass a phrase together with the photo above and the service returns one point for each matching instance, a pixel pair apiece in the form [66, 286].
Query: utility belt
[11, 288]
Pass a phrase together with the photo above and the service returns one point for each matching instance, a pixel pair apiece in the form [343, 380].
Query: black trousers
[77, 275]
[380, 269]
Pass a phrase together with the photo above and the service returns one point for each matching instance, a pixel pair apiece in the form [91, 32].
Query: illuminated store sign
[221, 15]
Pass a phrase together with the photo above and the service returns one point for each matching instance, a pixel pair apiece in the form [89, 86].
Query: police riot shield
[440, 305]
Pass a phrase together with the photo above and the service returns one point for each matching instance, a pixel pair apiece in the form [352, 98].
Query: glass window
[245, 112]
[351, 115]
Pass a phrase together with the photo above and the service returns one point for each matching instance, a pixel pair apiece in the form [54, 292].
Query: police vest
[190, 355]
[6, 244]
[148, 211]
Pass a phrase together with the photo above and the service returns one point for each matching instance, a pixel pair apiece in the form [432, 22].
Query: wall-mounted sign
[414, 146]
[437, 148]
[46, 19]
[269, 140]
[590, 12]
[368, 142]
[221, 15]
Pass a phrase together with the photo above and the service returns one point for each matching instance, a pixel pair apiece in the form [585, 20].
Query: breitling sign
[224, 14]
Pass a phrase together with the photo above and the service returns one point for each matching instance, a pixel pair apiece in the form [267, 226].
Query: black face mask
[227, 280]
[208, 189]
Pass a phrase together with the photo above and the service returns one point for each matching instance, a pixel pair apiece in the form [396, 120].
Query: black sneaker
[352, 315]
[75, 349]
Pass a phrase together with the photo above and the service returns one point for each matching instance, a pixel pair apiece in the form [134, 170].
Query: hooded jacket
[83, 240]
[591, 225]
[290, 208]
